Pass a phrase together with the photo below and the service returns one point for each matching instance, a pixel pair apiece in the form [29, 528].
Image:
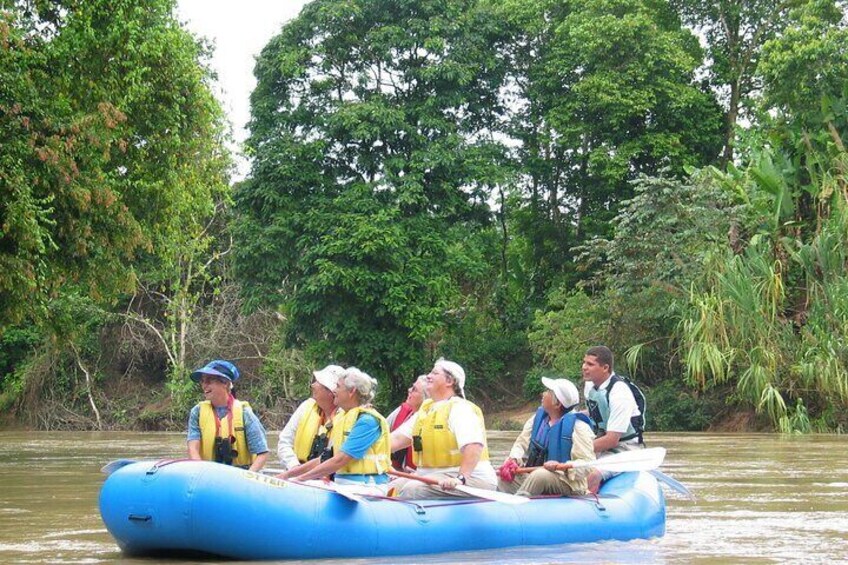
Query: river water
[761, 498]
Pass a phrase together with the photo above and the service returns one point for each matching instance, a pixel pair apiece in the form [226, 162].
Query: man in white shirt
[448, 436]
[611, 406]
[306, 434]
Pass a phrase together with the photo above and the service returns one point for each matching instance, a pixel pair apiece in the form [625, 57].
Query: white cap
[564, 390]
[329, 376]
[454, 370]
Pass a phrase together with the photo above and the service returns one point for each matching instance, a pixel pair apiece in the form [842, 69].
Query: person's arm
[365, 432]
[522, 443]
[194, 449]
[470, 437]
[193, 436]
[257, 442]
[300, 469]
[401, 438]
[285, 445]
[582, 449]
[328, 467]
[606, 441]
[259, 462]
[470, 457]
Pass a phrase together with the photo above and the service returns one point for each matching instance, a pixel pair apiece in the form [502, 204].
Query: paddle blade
[113, 466]
[673, 483]
[493, 495]
[636, 460]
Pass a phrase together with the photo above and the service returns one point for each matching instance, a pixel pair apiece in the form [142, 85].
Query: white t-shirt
[285, 445]
[622, 405]
[466, 428]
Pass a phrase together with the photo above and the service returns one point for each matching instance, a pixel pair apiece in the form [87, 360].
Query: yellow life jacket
[377, 459]
[311, 426]
[435, 445]
[207, 433]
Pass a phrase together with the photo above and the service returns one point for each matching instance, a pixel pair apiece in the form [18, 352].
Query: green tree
[112, 146]
[770, 318]
[607, 92]
[373, 157]
[662, 237]
[735, 32]
[113, 167]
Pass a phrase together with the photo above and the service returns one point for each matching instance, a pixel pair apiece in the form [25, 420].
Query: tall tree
[372, 146]
[770, 315]
[735, 32]
[112, 145]
[608, 92]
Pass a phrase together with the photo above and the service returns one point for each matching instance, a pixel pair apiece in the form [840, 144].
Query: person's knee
[412, 490]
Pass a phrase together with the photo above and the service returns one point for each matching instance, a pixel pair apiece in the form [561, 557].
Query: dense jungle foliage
[503, 183]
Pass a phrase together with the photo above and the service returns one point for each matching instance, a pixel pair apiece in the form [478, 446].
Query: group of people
[436, 433]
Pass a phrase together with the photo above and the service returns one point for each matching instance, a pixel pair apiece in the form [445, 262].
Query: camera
[417, 444]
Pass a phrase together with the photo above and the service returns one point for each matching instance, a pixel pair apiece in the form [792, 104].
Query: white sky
[239, 31]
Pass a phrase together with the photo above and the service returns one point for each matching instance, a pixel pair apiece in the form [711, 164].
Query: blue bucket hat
[218, 368]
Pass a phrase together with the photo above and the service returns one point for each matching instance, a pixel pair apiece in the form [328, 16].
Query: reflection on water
[760, 499]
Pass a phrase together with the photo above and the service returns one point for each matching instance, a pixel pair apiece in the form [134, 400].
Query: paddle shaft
[401, 474]
[476, 492]
[524, 470]
[631, 460]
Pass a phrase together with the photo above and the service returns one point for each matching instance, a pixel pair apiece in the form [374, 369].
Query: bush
[673, 407]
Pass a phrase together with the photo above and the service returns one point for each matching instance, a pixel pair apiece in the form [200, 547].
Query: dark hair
[603, 354]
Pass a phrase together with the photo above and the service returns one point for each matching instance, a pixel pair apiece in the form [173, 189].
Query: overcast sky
[239, 31]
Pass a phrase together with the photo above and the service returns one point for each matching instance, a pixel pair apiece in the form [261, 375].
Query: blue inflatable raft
[155, 508]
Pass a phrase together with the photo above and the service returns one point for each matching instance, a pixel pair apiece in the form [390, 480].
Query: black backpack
[638, 422]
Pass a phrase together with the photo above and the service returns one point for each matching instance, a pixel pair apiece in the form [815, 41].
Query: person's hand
[449, 483]
[507, 471]
[556, 466]
[284, 475]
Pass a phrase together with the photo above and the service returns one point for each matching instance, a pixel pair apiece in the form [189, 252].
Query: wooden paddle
[494, 495]
[636, 460]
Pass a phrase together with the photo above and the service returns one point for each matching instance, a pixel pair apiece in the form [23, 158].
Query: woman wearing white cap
[360, 438]
[448, 437]
[556, 433]
[306, 434]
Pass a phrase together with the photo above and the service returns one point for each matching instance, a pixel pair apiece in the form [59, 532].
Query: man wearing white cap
[554, 435]
[306, 434]
[448, 437]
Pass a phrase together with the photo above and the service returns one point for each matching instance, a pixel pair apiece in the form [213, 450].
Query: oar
[504, 497]
[113, 466]
[673, 483]
[636, 460]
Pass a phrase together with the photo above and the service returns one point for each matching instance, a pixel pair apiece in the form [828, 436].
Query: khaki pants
[542, 481]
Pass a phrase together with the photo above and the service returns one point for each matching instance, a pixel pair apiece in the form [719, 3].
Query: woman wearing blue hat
[221, 428]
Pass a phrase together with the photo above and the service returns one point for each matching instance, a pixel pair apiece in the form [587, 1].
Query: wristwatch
[461, 478]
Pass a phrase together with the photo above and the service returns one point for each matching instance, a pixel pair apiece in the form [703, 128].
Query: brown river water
[760, 498]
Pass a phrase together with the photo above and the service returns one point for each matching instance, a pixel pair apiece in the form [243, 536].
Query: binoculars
[319, 446]
[224, 452]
